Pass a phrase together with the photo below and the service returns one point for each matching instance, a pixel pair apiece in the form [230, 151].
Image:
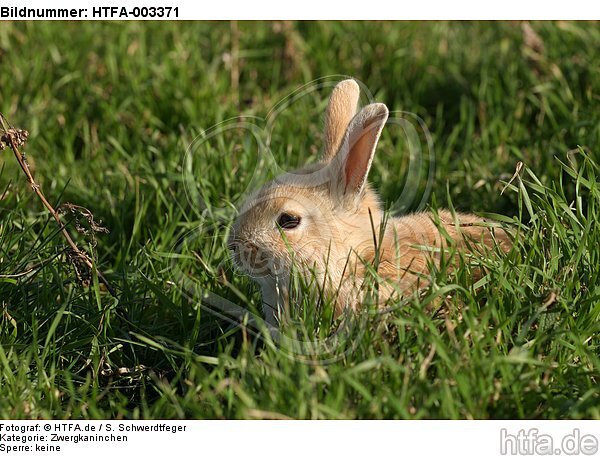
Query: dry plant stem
[36, 188]
[31, 269]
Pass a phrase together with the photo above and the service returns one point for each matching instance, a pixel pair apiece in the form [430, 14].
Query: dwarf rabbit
[326, 222]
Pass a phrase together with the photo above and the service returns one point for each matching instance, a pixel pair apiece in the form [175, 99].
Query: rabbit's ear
[357, 150]
[340, 111]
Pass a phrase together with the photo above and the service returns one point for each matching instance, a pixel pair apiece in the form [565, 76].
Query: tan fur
[340, 110]
[340, 213]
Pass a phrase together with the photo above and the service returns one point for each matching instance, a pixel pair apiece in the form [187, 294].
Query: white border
[347, 438]
[348, 9]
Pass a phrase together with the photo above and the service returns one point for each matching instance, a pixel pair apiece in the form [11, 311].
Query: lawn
[121, 120]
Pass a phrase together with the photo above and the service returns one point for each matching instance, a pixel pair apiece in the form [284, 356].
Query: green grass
[111, 109]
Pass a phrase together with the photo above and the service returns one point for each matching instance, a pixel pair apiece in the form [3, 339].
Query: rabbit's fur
[340, 218]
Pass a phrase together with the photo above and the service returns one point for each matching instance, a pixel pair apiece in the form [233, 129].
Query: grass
[112, 108]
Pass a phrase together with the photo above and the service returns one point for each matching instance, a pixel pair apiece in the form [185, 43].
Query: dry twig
[15, 138]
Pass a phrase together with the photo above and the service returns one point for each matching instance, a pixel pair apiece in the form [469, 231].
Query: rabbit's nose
[232, 241]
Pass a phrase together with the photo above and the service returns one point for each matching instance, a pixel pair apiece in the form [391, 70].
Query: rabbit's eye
[288, 221]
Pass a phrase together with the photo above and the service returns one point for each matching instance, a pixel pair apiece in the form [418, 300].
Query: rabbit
[325, 221]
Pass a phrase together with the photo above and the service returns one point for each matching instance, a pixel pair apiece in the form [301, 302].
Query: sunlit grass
[112, 108]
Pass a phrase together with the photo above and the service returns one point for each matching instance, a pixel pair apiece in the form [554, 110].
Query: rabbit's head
[314, 219]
